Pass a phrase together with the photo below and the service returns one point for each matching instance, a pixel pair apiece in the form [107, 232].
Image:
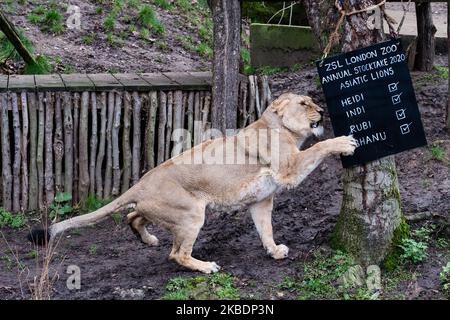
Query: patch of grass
[147, 18]
[269, 71]
[110, 23]
[113, 40]
[184, 5]
[8, 219]
[48, 20]
[145, 34]
[117, 218]
[33, 254]
[205, 50]
[442, 243]
[133, 4]
[442, 71]
[163, 46]
[246, 59]
[438, 153]
[93, 203]
[186, 42]
[93, 249]
[164, 4]
[413, 251]
[297, 67]
[7, 50]
[88, 39]
[99, 10]
[218, 286]
[444, 276]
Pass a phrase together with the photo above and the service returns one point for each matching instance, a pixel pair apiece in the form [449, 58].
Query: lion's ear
[280, 104]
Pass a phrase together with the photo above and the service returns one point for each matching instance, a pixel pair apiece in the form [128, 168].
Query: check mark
[393, 86]
[396, 98]
[404, 128]
[400, 114]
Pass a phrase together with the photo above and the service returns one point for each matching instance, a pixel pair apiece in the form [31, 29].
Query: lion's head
[298, 114]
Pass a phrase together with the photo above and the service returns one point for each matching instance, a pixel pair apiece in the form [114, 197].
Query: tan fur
[176, 193]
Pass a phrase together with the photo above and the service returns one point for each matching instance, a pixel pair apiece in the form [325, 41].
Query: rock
[353, 277]
[373, 280]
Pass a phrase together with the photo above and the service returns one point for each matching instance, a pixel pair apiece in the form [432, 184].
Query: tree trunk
[93, 144]
[101, 146]
[115, 141]
[108, 169]
[25, 129]
[227, 40]
[447, 115]
[126, 142]
[58, 144]
[162, 127]
[150, 130]
[83, 183]
[426, 30]
[136, 153]
[33, 180]
[17, 153]
[40, 149]
[6, 158]
[68, 143]
[49, 178]
[370, 214]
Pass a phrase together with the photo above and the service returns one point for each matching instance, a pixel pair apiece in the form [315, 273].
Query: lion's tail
[41, 236]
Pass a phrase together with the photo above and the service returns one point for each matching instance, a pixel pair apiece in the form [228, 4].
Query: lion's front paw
[344, 145]
[280, 252]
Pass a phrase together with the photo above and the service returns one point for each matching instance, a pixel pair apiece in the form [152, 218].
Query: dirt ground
[112, 259]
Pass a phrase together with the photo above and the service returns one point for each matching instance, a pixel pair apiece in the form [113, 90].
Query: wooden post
[6, 158]
[227, 38]
[49, 183]
[425, 46]
[33, 178]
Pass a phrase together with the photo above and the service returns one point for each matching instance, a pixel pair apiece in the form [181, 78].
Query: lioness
[176, 193]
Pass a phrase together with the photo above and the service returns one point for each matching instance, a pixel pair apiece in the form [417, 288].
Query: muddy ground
[112, 259]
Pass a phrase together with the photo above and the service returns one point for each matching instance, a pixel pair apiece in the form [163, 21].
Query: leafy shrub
[7, 219]
[61, 206]
[414, 251]
[147, 18]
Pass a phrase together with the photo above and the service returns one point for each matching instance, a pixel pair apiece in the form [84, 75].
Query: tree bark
[136, 156]
[126, 142]
[49, 178]
[68, 143]
[40, 149]
[150, 130]
[17, 153]
[162, 126]
[25, 131]
[227, 41]
[76, 147]
[425, 47]
[58, 144]
[116, 150]
[33, 180]
[101, 147]
[169, 125]
[447, 114]
[177, 114]
[94, 143]
[370, 211]
[83, 183]
[6, 158]
[108, 169]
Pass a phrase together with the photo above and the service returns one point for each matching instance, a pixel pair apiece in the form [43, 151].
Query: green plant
[53, 22]
[93, 249]
[61, 206]
[113, 40]
[93, 203]
[163, 46]
[88, 39]
[444, 276]
[147, 18]
[99, 10]
[438, 153]
[268, 70]
[424, 233]
[442, 243]
[164, 4]
[7, 50]
[205, 50]
[413, 251]
[184, 5]
[110, 23]
[8, 219]
[217, 286]
[8, 263]
[145, 34]
[245, 56]
[297, 67]
[117, 218]
[33, 254]
[442, 71]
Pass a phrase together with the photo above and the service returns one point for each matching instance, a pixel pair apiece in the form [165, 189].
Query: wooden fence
[98, 133]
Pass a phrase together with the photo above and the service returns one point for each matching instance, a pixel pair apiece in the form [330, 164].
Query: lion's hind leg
[137, 224]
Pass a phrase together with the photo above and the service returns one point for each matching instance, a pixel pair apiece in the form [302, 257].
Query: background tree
[370, 221]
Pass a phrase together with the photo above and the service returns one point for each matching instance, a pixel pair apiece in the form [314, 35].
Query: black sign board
[369, 94]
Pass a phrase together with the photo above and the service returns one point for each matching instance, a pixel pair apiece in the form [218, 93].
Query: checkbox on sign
[396, 99]
[400, 114]
[404, 128]
[393, 86]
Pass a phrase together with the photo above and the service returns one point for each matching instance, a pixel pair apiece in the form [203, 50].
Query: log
[101, 146]
[243, 104]
[126, 142]
[198, 131]
[115, 145]
[177, 135]
[257, 100]
[205, 116]
[25, 132]
[262, 93]
[108, 170]
[68, 143]
[136, 156]
[40, 150]
[58, 145]
[162, 126]
[17, 154]
[83, 183]
[33, 180]
[93, 143]
[6, 158]
[169, 125]
[190, 120]
[183, 111]
[252, 99]
[76, 160]
[150, 130]
[49, 178]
